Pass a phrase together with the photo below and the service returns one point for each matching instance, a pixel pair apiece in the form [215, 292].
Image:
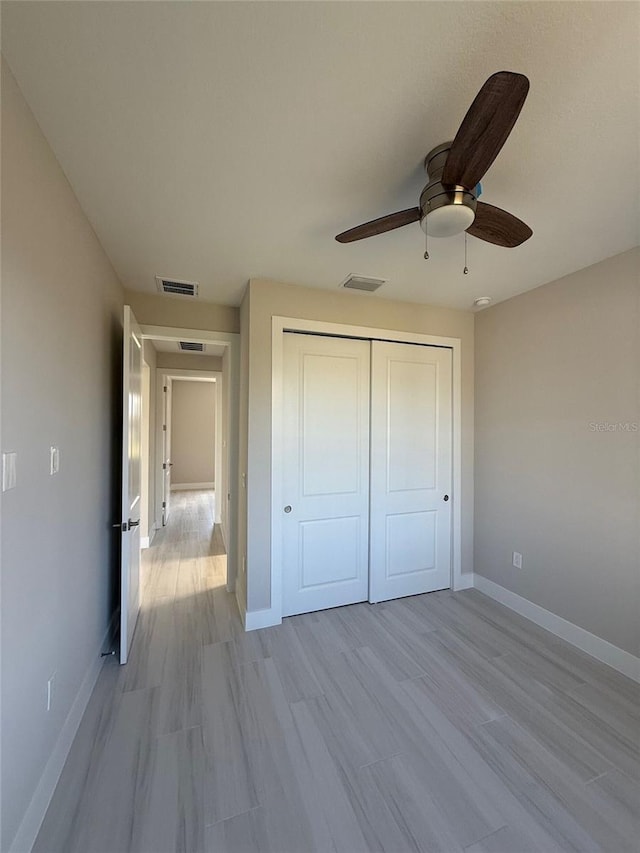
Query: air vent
[190, 346]
[175, 287]
[361, 282]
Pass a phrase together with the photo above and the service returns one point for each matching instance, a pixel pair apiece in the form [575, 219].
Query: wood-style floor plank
[441, 722]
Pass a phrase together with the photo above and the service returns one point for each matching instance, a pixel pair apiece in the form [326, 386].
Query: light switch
[9, 463]
[54, 460]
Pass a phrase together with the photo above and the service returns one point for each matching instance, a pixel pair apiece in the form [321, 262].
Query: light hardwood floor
[442, 722]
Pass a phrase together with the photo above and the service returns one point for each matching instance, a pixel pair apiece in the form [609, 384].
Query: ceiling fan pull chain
[426, 245]
[465, 271]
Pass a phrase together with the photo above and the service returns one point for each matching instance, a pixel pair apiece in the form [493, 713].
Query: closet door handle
[287, 508]
[446, 497]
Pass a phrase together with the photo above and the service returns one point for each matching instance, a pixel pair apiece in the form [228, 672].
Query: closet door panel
[326, 472]
[410, 549]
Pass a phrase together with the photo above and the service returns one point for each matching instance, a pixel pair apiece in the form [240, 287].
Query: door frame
[280, 325]
[146, 533]
[231, 340]
[163, 410]
[184, 375]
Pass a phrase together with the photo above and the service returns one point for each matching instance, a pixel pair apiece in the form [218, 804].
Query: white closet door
[326, 472]
[410, 470]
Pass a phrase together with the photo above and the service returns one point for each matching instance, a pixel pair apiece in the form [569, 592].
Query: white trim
[32, 820]
[146, 541]
[183, 487]
[217, 455]
[466, 581]
[175, 333]
[232, 413]
[255, 619]
[241, 597]
[293, 324]
[152, 534]
[602, 650]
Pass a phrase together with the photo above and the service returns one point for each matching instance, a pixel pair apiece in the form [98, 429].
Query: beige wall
[61, 368]
[186, 361]
[185, 313]
[551, 366]
[266, 299]
[193, 422]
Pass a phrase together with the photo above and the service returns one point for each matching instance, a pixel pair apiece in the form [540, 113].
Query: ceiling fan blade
[379, 226]
[485, 128]
[499, 227]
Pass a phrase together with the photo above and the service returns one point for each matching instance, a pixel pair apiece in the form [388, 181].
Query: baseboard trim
[187, 487]
[465, 581]
[602, 650]
[240, 599]
[146, 541]
[255, 619]
[37, 808]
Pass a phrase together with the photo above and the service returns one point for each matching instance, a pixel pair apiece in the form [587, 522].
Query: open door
[166, 451]
[131, 482]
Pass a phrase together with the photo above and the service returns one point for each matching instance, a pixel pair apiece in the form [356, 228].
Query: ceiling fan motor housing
[446, 210]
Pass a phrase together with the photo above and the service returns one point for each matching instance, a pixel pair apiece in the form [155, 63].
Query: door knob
[287, 508]
[446, 497]
[133, 523]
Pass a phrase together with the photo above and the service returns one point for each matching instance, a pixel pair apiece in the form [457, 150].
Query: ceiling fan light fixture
[449, 203]
[448, 220]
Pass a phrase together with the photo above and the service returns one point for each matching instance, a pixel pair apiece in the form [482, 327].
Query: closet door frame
[279, 326]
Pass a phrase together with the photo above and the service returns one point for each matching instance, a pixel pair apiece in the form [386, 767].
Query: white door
[325, 472]
[411, 464]
[167, 464]
[131, 482]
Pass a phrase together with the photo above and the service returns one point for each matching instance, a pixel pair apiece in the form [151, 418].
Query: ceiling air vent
[361, 282]
[191, 346]
[175, 287]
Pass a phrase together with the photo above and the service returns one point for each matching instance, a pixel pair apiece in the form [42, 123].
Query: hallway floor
[443, 722]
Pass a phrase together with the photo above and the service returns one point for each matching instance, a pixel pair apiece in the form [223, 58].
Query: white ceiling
[215, 350]
[221, 141]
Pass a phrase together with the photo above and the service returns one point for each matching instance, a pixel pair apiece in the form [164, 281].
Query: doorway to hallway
[160, 356]
[188, 556]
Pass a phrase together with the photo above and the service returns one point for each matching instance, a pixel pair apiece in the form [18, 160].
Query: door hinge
[164, 427]
[164, 504]
[165, 389]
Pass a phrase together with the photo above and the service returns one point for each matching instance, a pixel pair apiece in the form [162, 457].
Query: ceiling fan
[449, 202]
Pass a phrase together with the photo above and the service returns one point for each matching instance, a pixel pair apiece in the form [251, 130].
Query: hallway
[440, 722]
[133, 780]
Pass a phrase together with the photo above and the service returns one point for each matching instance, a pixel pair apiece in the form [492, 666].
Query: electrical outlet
[50, 684]
[517, 560]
